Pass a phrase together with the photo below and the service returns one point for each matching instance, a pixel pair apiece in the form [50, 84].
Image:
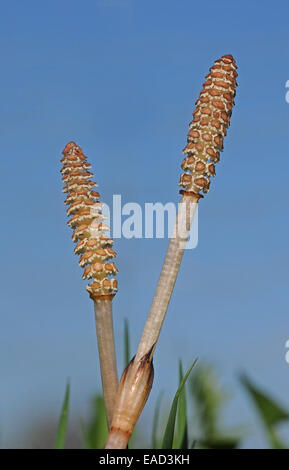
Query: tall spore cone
[208, 128]
[95, 249]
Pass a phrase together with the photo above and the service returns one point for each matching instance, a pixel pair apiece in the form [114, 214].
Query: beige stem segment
[106, 349]
[169, 272]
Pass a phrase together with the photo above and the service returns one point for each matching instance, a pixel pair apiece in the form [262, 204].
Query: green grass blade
[94, 433]
[126, 344]
[170, 428]
[62, 424]
[155, 443]
[182, 427]
[270, 411]
[220, 443]
[127, 354]
[209, 398]
[194, 443]
[85, 435]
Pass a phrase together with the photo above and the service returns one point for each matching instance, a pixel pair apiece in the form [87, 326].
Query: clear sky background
[120, 77]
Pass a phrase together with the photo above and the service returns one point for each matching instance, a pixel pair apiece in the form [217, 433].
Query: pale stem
[106, 350]
[168, 276]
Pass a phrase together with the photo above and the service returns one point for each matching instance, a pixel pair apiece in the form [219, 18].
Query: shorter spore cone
[86, 219]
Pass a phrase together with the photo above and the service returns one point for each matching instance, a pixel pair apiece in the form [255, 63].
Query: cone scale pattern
[86, 219]
[211, 119]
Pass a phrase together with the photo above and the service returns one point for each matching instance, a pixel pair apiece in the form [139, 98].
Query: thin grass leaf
[126, 344]
[127, 357]
[194, 444]
[155, 443]
[209, 398]
[95, 432]
[62, 424]
[270, 411]
[182, 427]
[85, 435]
[220, 443]
[170, 428]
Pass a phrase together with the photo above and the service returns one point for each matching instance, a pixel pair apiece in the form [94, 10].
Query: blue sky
[120, 78]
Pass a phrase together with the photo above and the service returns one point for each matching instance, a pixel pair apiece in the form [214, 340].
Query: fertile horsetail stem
[208, 128]
[95, 250]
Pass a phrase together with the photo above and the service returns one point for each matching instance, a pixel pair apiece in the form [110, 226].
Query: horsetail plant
[211, 119]
[95, 250]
